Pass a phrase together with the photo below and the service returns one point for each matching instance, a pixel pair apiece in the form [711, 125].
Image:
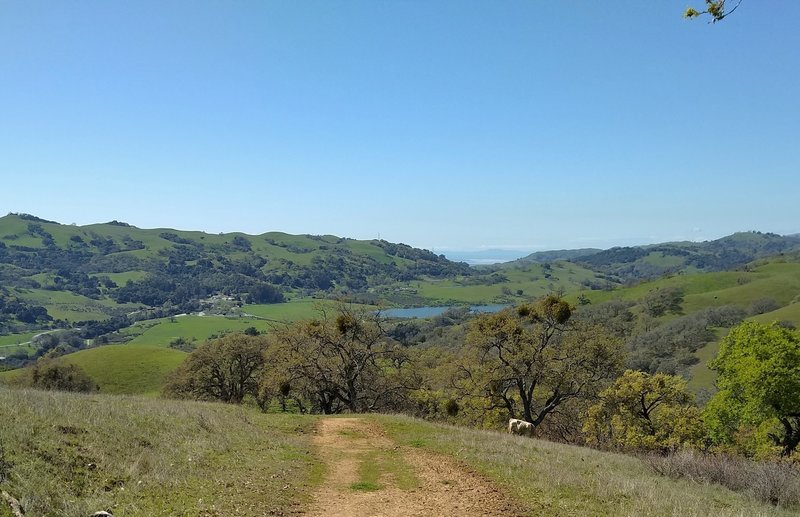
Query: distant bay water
[431, 311]
[486, 257]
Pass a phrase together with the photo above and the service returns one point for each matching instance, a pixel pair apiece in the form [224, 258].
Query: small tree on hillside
[532, 359]
[48, 374]
[337, 362]
[642, 411]
[226, 369]
[662, 300]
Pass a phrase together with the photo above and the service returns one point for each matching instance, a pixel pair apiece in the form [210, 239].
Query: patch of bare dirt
[444, 486]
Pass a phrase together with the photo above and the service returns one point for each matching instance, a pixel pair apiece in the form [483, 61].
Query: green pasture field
[122, 278]
[305, 308]
[790, 313]
[192, 328]
[121, 369]
[16, 339]
[7, 350]
[701, 377]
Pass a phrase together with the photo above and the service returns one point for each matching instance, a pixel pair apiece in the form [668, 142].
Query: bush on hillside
[52, 375]
[764, 305]
[774, 482]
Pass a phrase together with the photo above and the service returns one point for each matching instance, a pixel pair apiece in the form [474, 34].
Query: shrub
[52, 375]
[774, 482]
[764, 305]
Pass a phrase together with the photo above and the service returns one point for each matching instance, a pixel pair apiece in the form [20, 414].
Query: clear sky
[442, 124]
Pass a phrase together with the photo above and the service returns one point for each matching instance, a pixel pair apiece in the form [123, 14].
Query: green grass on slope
[563, 480]
[790, 313]
[289, 311]
[7, 350]
[128, 369]
[702, 377]
[122, 278]
[16, 339]
[192, 328]
[531, 281]
[72, 455]
[72, 307]
[778, 280]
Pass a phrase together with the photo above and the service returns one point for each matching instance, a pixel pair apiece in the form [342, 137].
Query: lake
[430, 311]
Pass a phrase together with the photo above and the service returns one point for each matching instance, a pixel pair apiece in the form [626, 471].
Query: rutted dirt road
[438, 486]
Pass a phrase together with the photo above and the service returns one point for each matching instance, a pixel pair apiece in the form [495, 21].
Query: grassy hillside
[16, 339]
[73, 307]
[652, 261]
[511, 285]
[191, 328]
[39, 250]
[566, 480]
[701, 377]
[128, 369]
[122, 369]
[72, 455]
[776, 279]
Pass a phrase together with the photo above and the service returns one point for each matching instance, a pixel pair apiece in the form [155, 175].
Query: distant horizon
[473, 255]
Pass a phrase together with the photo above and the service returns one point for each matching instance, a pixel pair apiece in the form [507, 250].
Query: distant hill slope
[542, 257]
[652, 261]
[113, 268]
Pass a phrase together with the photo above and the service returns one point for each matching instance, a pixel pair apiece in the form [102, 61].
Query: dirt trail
[440, 487]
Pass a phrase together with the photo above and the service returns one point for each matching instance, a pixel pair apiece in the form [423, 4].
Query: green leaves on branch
[645, 412]
[757, 408]
[714, 8]
[530, 361]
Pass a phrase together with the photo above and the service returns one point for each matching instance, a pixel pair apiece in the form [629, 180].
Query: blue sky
[447, 125]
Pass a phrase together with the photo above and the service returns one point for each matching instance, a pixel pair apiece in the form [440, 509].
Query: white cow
[520, 427]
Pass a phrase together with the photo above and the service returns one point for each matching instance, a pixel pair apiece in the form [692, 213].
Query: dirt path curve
[409, 481]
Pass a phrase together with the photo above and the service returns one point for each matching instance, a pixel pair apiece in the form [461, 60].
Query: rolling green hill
[653, 261]
[115, 283]
[121, 369]
[719, 255]
[36, 253]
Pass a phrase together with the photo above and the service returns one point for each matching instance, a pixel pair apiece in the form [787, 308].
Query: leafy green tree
[225, 369]
[645, 412]
[757, 407]
[338, 362]
[660, 301]
[532, 359]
